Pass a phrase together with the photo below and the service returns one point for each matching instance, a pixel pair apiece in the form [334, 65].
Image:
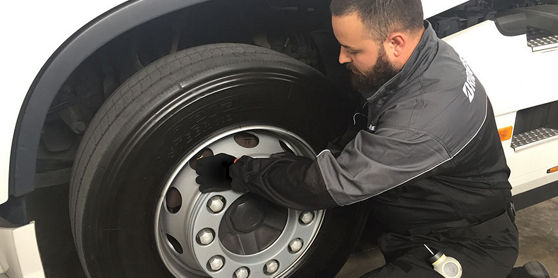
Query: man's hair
[381, 17]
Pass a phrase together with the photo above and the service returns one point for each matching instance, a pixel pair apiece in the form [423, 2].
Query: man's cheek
[351, 67]
[356, 70]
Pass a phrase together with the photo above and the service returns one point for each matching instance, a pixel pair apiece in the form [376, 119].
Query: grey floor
[538, 240]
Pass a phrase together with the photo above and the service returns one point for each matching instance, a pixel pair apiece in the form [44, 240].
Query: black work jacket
[431, 152]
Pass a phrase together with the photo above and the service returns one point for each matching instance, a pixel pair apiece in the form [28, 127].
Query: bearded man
[430, 161]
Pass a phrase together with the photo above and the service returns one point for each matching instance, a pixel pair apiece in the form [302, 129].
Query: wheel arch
[59, 67]
[205, 22]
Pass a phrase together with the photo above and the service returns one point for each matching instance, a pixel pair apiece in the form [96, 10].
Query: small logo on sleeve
[470, 84]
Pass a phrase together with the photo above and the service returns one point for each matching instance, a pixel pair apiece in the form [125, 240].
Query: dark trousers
[486, 250]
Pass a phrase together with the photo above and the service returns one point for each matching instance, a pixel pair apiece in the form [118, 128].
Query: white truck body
[29, 41]
[514, 77]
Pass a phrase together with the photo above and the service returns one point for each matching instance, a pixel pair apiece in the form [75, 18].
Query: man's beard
[368, 82]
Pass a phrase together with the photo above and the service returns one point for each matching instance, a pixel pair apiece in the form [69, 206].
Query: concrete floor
[538, 241]
[538, 235]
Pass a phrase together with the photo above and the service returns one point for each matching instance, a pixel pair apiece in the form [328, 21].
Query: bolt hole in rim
[187, 223]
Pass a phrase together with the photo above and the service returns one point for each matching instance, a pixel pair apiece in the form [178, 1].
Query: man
[430, 161]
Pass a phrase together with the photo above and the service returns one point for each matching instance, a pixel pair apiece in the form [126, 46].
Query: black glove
[284, 179]
[213, 173]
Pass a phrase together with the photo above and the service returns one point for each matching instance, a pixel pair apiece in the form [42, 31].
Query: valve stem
[429, 249]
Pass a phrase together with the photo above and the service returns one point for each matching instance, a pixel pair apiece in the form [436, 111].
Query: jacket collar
[417, 64]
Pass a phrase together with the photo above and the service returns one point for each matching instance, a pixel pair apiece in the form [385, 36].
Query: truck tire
[134, 205]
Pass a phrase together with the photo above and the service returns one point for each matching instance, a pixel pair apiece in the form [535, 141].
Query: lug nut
[216, 263]
[242, 272]
[205, 236]
[216, 204]
[295, 245]
[306, 217]
[271, 267]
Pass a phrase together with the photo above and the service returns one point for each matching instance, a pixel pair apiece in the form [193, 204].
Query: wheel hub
[251, 225]
[246, 214]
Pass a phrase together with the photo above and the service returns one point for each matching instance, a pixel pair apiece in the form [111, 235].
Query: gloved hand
[213, 173]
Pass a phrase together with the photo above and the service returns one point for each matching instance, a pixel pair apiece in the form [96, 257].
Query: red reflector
[505, 133]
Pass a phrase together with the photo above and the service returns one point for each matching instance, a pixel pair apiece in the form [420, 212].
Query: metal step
[534, 137]
[541, 40]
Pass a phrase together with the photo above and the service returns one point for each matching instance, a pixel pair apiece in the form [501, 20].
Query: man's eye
[350, 51]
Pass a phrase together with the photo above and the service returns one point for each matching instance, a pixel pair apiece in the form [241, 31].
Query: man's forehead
[347, 21]
[349, 29]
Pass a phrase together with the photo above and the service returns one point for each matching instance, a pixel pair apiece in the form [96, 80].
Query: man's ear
[396, 44]
[397, 49]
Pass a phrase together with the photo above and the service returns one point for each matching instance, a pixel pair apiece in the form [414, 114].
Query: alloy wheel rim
[189, 225]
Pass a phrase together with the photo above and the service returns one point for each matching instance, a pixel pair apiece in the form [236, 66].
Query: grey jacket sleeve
[373, 163]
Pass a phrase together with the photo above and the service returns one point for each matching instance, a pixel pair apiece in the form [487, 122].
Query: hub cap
[227, 234]
[250, 225]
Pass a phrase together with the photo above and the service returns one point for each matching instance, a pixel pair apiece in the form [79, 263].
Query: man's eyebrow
[346, 46]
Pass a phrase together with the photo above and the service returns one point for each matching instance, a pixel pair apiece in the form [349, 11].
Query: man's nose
[343, 57]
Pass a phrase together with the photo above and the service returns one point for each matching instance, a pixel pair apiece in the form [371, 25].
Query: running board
[541, 40]
[532, 138]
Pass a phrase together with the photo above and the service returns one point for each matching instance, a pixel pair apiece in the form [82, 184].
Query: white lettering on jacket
[470, 84]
